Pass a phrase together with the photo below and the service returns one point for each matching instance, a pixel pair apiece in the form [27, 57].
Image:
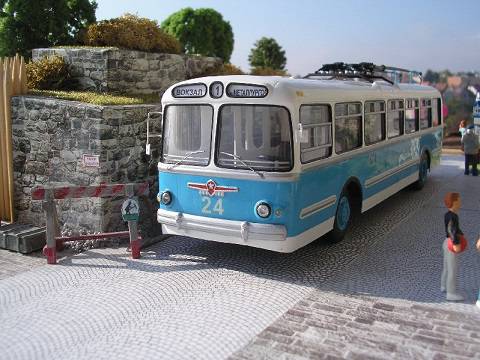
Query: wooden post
[50, 250]
[132, 228]
[23, 76]
[3, 153]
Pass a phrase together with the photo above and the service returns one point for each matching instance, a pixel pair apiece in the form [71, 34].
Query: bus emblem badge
[211, 188]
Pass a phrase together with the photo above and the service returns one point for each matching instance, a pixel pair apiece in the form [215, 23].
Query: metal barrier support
[55, 242]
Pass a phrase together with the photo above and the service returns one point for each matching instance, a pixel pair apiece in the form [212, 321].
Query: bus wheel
[343, 217]
[422, 173]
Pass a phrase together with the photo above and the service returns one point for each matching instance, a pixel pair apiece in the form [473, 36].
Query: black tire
[422, 173]
[343, 218]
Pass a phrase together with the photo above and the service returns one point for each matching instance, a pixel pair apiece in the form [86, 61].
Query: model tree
[29, 24]
[267, 54]
[201, 31]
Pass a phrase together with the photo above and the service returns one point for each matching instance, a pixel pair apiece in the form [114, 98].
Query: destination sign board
[246, 91]
[190, 91]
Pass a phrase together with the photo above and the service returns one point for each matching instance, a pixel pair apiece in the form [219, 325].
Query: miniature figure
[470, 147]
[462, 128]
[454, 244]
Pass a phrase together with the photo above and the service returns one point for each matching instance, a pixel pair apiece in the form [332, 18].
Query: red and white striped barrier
[49, 194]
[102, 190]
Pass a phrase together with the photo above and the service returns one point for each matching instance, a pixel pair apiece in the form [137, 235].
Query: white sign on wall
[91, 160]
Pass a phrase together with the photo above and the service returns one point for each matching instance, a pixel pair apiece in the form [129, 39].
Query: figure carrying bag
[463, 244]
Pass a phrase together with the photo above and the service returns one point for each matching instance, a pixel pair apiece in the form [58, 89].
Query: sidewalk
[374, 295]
[387, 304]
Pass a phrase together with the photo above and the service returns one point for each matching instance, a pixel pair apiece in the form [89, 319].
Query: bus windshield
[187, 134]
[254, 137]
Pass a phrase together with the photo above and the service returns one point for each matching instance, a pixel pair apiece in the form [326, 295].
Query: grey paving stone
[390, 293]
[188, 298]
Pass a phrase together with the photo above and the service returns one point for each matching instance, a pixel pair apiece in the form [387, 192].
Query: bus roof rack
[366, 71]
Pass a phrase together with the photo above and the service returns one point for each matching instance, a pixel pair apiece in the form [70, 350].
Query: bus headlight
[263, 210]
[166, 198]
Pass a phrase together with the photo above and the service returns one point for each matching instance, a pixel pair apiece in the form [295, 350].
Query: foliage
[431, 76]
[437, 76]
[29, 24]
[48, 73]
[223, 69]
[201, 31]
[267, 54]
[267, 71]
[230, 69]
[131, 32]
[98, 98]
[458, 109]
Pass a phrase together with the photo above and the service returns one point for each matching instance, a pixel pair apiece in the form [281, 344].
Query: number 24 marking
[217, 208]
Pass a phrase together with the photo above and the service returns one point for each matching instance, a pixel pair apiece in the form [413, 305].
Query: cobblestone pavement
[374, 294]
[387, 303]
[12, 263]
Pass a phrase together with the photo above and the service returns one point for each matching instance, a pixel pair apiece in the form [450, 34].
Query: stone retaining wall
[50, 137]
[128, 71]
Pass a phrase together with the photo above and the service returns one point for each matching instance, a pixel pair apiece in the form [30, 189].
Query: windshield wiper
[187, 155]
[236, 157]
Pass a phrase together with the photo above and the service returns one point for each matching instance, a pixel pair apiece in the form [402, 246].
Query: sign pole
[50, 250]
[132, 225]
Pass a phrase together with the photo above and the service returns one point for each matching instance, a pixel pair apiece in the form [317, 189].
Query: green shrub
[267, 71]
[223, 69]
[267, 54]
[49, 73]
[131, 32]
[230, 69]
[201, 31]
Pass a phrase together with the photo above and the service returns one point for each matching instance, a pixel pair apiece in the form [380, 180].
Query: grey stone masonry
[128, 71]
[50, 137]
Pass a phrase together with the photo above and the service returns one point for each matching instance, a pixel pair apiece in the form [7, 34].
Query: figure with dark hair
[450, 255]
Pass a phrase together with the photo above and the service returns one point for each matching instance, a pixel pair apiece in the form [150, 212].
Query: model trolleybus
[276, 163]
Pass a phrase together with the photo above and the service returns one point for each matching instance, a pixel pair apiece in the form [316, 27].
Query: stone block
[22, 238]
[56, 156]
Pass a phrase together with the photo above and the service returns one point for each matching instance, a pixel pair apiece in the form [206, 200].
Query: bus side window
[348, 126]
[317, 123]
[374, 122]
[436, 116]
[395, 118]
[411, 116]
[425, 114]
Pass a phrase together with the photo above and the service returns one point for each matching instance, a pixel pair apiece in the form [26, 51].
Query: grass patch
[83, 47]
[99, 98]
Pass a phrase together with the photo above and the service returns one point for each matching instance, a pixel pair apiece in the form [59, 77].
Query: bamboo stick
[9, 146]
[23, 76]
[13, 81]
[3, 153]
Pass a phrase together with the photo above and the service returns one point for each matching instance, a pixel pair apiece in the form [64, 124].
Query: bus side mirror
[151, 115]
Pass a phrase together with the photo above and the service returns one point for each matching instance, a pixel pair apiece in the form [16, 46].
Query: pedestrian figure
[470, 146]
[462, 127]
[452, 246]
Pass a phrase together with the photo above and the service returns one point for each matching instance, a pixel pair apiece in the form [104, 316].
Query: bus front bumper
[265, 236]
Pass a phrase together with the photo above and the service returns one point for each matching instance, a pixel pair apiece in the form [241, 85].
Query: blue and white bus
[276, 163]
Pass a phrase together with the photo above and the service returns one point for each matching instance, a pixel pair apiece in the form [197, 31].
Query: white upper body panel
[290, 91]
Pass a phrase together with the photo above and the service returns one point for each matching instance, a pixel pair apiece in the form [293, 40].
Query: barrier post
[50, 250]
[132, 228]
